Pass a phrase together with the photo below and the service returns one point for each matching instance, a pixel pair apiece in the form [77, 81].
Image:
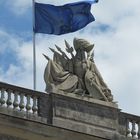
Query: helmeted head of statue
[82, 44]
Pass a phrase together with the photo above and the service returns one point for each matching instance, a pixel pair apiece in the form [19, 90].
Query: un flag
[50, 19]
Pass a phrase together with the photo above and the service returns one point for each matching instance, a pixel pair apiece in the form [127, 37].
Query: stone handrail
[22, 100]
[129, 125]
[34, 105]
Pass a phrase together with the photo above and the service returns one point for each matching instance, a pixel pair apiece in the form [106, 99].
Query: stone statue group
[77, 74]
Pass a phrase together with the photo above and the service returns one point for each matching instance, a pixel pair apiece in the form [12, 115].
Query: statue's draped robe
[57, 75]
[60, 75]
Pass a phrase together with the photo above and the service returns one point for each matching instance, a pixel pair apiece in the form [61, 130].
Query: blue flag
[57, 20]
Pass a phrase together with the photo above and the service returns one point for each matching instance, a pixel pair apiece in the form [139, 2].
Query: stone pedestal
[84, 114]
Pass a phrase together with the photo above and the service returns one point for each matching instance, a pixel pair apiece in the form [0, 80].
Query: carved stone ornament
[77, 74]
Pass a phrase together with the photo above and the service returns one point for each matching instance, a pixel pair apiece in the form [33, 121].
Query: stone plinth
[13, 128]
[84, 114]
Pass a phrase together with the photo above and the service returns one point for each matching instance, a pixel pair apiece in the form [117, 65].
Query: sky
[115, 34]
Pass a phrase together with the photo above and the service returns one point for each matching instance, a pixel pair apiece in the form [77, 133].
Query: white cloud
[5, 41]
[18, 7]
[17, 73]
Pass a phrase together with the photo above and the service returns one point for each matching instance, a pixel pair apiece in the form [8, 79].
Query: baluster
[16, 104]
[2, 99]
[21, 104]
[128, 132]
[9, 100]
[34, 108]
[133, 132]
[138, 130]
[28, 105]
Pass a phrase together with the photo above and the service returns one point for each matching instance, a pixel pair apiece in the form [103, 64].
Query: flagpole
[34, 46]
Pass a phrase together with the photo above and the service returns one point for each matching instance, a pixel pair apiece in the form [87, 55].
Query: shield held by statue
[91, 86]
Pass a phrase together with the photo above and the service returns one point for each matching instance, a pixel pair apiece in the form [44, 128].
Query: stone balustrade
[21, 101]
[12, 98]
[50, 107]
[133, 127]
[129, 125]
[133, 132]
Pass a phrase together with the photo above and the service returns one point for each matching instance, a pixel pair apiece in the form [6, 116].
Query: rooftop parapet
[73, 112]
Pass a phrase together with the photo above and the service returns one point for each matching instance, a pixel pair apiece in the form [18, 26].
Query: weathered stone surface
[78, 74]
[65, 116]
[91, 116]
[42, 102]
[12, 128]
[6, 137]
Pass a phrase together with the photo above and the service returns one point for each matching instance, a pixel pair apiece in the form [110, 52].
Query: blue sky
[115, 34]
